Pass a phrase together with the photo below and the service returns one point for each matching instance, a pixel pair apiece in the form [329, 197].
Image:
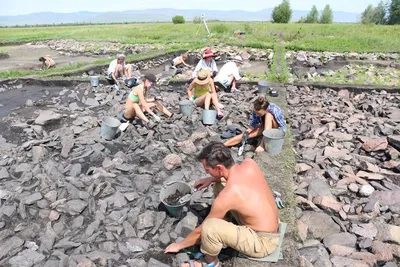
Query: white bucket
[94, 81]
[273, 140]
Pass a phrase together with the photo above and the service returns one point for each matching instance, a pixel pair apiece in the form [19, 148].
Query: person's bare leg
[270, 122]
[129, 70]
[129, 112]
[238, 138]
[215, 101]
[163, 109]
[207, 101]
[139, 112]
[118, 71]
[200, 101]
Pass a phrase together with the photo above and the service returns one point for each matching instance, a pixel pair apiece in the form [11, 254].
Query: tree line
[283, 13]
[383, 13]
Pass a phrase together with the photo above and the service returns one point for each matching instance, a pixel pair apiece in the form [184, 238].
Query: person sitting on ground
[229, 74]
[242, 191]
[204, 92]
[47, 62]
[138, 102]
[119, 69]
[180, 61]
[265, 116]
[207, 63]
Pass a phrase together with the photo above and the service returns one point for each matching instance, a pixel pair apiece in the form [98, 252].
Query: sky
[22, 7]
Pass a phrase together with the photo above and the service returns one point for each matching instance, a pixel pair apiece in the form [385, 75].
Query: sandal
[216, 263]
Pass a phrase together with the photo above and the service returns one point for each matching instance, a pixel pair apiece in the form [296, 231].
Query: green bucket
[181, 187]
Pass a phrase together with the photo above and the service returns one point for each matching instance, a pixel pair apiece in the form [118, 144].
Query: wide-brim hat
[151, 77]
[208, 53]
[203, 77]
[238, 59]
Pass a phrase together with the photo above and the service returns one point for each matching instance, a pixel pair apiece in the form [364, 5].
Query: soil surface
[174, 198]
[26, 57]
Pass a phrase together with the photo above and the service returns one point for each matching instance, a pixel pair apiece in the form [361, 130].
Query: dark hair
[41, 59]
[261, 103]
[215, 153]
[151, 77]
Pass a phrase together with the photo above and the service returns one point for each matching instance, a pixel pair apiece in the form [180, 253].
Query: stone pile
[347, 176]
[70, 198]
[316, 58]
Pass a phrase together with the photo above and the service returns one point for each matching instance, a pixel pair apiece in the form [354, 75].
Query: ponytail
[261, 103]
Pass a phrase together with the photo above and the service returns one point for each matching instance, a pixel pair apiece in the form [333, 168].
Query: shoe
[122, 118]
[235, 91]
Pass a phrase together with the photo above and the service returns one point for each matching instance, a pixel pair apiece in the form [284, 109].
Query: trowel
[244, 140]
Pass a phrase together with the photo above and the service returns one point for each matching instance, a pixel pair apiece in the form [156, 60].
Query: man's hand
[173, 248]
[259, 149]
[203, 183]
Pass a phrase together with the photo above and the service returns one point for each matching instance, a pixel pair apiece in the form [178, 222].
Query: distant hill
[156, 15]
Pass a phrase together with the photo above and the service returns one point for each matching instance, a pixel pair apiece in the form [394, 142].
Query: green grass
[312, 37]
[278, 71]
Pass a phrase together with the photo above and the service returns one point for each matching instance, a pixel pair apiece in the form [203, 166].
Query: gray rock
[320, 225]
[390, 264]
[186, 225]
[29, 103]
[72, 207]
[9, 245]
[92, 102]
[28, 200]
[365, 230]
[187, 147]
[145, 220]
[46, 117]
[143, 182]
[4, 173]
[164, 239]
[67, 143]
[136, 263]
[76, 170]
[38, 153]
[66, 244]
[93, 227]
[318, 187]
[345, 262]
[48, 238]
[155, 263]
[27, 258]
[8, 210]
[172, 161]
[394, 141]
[23, 167]
[342, 239]
[366, 190]
[159, 221]
[137, 245]
[365, 243]
[128, 229]
[318, 256]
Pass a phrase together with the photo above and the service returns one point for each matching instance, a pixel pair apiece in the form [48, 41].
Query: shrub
[248, 29]
[282, 13]
[327, 15]
[196, 20]
[312, 17]
[178, 20]
[220, 28]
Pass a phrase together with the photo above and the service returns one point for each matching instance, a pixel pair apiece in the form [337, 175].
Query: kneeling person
[229, 74]
[138, 102]
[247, 196]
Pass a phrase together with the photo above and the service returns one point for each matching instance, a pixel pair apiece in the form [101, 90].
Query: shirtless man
[248, 198]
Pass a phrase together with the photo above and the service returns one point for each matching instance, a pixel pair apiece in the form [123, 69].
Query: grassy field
[313, 37]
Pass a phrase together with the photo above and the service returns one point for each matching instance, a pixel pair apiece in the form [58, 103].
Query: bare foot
[259, 149]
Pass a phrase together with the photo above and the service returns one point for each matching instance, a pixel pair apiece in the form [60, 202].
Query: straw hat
[208, 53]
[203, 77]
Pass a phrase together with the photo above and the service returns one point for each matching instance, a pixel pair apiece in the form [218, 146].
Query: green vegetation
[3, 54]
[382, 14]
[178, 20]
[279, 71]
[394, 12]
[312, 17]
[327, 15]
[219, 28]
[312, 37]
[282, 13]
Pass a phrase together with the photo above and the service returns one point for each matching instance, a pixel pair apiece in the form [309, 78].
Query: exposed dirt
[26, 57]
[174, 198]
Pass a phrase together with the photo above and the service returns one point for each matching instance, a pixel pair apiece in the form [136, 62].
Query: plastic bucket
[166, 68]
[109, 127]
[186, 107]
[94, 81]
[209, 116]
[263, 87]
[273, 140]
[183, 189]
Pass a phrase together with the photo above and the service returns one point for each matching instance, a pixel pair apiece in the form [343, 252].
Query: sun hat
[238, 59]
[151, 77]
[203, 77]
[208, 53]
[121, 55]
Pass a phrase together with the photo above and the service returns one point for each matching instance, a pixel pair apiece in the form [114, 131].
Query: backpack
[132, 82]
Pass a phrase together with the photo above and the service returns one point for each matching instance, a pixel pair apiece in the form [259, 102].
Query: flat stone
[23, 167]
[388, 233]
[46, 117]
[54, 215]
[365, 243]
[353, 187]
[318, 187]
[143, 182]
[38, 153]
[136, 263]
[26, 258]
[72, 207]
[145, 220]
[131, 196]
[308, 143]
[365, 257]
[187, 147]
[28, 200]
[386, 197]
[339, 136]
[328, 203]
[67, 143]
[4, 173]
[367, 230]
[164, 239]
[9, 245]
[370, 176]
[372, 205]
[172, 161]
[92, 102]
[342, 239]
[92, 227]
[367, 166]
[342, 251]
[317, 256]
[320, 225]
[382, 251]
[335, 152]
[86, 263]
[137, 245]
[375, 144]
[346, 262]
[128, 229]
[302, 167]
[394, 141]
[155, 263]
[366, 190]
[186, 225]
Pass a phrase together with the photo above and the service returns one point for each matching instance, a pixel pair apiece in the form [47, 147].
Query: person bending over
[138, 102]
[265, 116]
[204, 92]
[119, 69]
[242, 191]
[229, 74]
[47, 62]
[180, 61]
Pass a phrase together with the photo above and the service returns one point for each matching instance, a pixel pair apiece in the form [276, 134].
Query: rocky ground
[70, 198]
[348, 176]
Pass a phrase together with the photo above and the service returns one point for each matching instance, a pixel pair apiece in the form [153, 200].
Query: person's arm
[205, 182]
[143, 102]
[218, 210]
[190, 89]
